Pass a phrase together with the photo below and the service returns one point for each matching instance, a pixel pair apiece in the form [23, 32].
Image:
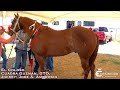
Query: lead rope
[13, 65]
[33, 25]
[11, 50]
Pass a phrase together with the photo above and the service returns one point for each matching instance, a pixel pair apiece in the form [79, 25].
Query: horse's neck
[26, 21]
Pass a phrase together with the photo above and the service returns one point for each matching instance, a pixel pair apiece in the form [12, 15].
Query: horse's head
[15, 26]
[27, 24]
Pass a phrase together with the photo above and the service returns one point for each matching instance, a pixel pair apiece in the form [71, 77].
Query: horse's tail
[93, 56]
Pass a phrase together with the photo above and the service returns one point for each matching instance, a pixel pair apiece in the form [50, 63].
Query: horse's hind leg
[92, 68]
[92, 59]
[92, 65]
[85, 66]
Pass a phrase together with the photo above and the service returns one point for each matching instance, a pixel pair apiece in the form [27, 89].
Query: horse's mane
[42, 27]
[28, 20]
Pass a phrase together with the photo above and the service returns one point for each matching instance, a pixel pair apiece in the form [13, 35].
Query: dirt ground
[69, 67]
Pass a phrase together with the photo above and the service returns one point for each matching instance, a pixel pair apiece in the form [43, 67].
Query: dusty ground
[69, 67]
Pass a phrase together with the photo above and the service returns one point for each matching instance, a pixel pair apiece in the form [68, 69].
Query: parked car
[104, 34]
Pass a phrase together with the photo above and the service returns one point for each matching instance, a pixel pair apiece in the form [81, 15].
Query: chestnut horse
[50, 42]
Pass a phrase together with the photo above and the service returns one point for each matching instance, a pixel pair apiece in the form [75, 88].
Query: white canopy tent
[50, 16]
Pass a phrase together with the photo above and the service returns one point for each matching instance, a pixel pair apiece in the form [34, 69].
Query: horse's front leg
[42, 62]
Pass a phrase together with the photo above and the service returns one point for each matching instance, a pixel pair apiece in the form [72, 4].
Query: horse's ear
[17, 14]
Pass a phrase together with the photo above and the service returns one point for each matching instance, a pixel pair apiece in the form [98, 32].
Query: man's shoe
[48, 70]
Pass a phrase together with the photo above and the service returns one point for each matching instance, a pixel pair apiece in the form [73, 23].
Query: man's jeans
[4, 59]
[49, 63]
[21, 57]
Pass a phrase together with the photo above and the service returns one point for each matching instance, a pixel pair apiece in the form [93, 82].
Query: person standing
[3, 55]
[49, 62]
[21, 49]
[2, 44]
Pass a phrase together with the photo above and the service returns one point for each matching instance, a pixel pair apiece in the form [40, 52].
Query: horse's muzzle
[10, 33]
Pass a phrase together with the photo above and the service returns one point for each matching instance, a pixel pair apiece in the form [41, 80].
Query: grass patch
[116, 62]
[104, 61]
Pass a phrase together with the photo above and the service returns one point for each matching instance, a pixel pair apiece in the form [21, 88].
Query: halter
[16, 23]
[34, 32]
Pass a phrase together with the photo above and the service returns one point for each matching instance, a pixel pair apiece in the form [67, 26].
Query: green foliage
[104, 61]
[116, 62]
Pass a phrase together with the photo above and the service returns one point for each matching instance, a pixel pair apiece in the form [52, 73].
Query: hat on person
[2, 28]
